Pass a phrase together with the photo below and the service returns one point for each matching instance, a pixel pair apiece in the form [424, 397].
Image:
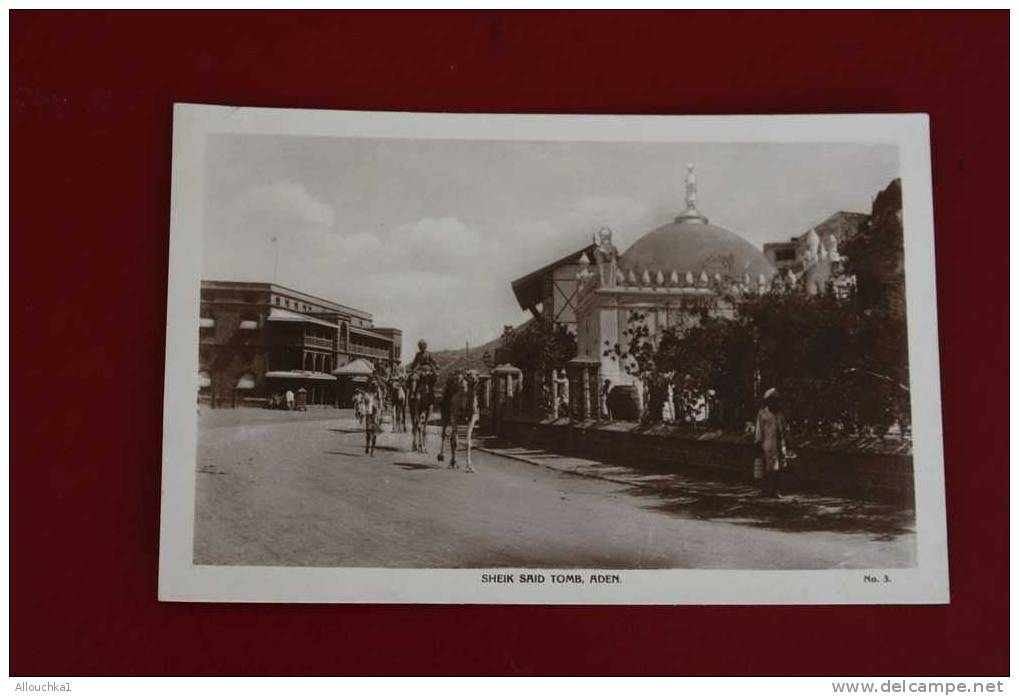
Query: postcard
[534, 359]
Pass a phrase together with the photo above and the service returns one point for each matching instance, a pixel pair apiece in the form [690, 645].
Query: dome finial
[691, 214]
[691, 186]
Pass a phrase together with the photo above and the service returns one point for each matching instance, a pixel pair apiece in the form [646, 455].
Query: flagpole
[276, 263]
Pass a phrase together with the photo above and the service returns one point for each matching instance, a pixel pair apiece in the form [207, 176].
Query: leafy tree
[538, 347]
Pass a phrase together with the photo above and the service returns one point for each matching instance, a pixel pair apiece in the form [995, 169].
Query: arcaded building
[257, 339]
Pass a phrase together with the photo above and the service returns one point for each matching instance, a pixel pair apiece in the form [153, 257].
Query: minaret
[691, 214]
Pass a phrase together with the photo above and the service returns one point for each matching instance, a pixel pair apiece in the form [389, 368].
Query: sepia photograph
[421, 357]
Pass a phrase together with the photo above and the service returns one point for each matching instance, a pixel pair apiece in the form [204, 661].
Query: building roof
[529, 289]
[286, 315]
[281, 289]
[299, 374]
[374, 333]
[690, 245]
[359, 367]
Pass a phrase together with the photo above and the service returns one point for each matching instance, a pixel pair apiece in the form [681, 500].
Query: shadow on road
[731, 498]
[417, 466]
[742, 504]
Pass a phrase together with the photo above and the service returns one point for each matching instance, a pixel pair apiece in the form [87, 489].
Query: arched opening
[204, 387]
[244, 385]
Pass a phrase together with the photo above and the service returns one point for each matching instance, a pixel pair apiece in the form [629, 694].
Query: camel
[398, 398]
[459, 400]
[421, 388]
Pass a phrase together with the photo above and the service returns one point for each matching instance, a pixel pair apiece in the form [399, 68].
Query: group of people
[769, 428]
[412, 392]
[283, 400]
[389, 391]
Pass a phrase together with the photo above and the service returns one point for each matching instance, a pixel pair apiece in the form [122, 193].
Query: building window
[278, 300]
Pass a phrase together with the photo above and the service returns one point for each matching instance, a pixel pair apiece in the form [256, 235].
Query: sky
[428, 234]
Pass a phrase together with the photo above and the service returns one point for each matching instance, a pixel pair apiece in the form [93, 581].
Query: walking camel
[459, 400]
[398, 398]
[421, 396]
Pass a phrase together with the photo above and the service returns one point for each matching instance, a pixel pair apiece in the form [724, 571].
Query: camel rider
[423, 360]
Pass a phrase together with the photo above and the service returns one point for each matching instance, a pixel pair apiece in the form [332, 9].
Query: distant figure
[769, 436]
[669, 406]
[371, 404]
[423, 360]
[290, 400]
[563, 391]
[358, 405]
[606, 387]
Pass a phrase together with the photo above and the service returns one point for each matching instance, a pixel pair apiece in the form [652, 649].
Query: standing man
[606, 387]
[290, 399]
[770, 438]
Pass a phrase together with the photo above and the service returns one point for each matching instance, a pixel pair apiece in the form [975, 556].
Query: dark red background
[91, 98]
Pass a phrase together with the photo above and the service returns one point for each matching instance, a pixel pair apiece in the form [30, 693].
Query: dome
[690, 245]
[693, 246]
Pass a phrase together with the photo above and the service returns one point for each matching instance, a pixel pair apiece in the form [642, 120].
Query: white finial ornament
[691, 186]
[691, 214]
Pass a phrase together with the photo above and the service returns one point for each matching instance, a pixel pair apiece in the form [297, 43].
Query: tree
[537, 348]
[817, 350]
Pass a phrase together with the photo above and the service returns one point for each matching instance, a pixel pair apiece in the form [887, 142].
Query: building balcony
[317, 342]
[355, 349]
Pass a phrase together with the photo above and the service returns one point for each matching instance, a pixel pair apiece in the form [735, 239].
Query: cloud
[436, 277]
[284, 204]
[435, 244]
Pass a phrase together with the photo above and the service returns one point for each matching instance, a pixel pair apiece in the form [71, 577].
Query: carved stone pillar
[585, 405]
[555, 395]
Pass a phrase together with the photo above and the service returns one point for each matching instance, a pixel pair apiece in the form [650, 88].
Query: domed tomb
[691, 244]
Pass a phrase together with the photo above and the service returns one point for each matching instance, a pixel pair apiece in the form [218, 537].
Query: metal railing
[318, 342]
[368, 350]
